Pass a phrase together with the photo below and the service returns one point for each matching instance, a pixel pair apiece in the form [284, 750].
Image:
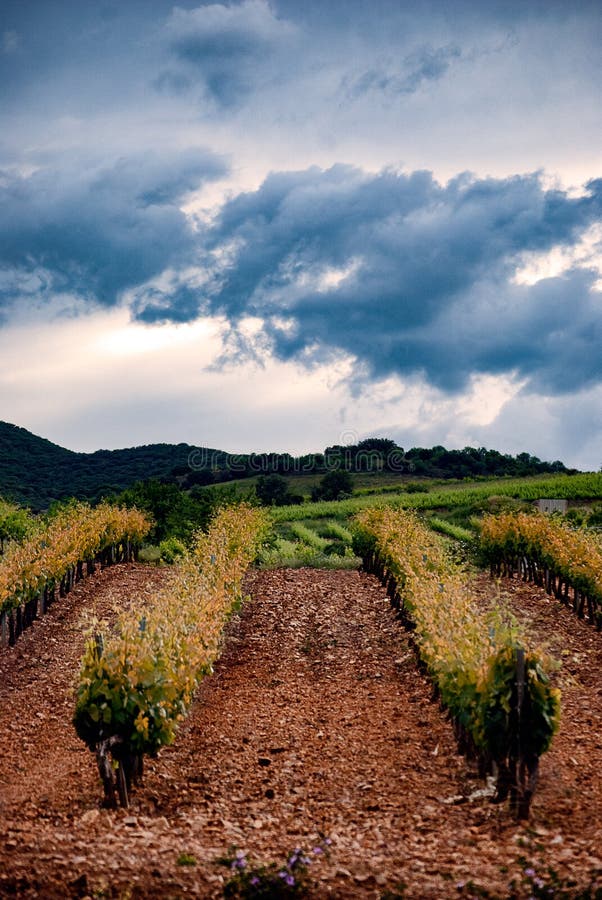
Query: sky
[284, 225]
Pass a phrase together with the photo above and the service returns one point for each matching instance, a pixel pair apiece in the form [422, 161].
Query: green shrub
[594, 520]
[416, 487]
[171, 549]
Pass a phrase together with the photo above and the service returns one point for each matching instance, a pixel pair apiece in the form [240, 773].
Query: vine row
[58, 554]
[545, 551]
[496, 691]
[138, 678]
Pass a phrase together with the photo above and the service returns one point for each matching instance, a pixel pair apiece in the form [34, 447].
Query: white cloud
[102, 381]
[567, 428]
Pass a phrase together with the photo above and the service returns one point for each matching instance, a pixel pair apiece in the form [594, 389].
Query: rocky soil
[316, 724]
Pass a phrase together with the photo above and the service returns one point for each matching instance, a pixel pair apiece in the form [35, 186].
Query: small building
[551, 506]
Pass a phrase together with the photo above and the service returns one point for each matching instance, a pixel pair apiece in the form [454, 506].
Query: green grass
[571, 487]
[308, 536]
[448, 528]
[316, 543]
[334, 530]
[294, 554]
[303, 531]
[149, 554]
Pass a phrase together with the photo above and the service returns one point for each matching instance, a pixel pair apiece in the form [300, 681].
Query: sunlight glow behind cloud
[587, 253]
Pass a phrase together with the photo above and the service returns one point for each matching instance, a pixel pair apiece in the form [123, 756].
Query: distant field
[367, 484]
[363, 482]
[302, 531]
[572, 487]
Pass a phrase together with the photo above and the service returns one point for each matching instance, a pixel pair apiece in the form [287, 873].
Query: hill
[36, 472]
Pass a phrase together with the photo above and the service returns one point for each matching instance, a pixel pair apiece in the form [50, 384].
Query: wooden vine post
[517, 773]
[526, 765]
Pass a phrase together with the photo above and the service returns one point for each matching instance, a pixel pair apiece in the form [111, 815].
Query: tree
[334, 486]
[174, 513]
[273, 490]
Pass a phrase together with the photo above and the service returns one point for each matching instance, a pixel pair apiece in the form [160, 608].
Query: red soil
[316, 723]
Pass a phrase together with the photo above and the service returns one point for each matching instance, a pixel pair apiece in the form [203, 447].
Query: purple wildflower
[290, 880]
[529, 872]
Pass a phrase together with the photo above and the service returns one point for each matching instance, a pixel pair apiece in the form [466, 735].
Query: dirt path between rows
[316, 723]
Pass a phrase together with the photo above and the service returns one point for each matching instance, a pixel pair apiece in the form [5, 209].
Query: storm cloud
[403, 274]
[230, 49]
[293, 179]
[98, 230]
[410, 276]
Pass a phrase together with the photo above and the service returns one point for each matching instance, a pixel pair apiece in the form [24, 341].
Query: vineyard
[329, 710]
[570, 487]
[57, 555]
[137, 681]
[550, 554]
[496, 690]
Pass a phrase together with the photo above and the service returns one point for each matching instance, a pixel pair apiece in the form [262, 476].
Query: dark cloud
[423, 65]
[180, 303]
[410, 276]
[98, 231]
[228, 47]
[406, 275]
[549, 332]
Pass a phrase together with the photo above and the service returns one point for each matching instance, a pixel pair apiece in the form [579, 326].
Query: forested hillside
[35, 472]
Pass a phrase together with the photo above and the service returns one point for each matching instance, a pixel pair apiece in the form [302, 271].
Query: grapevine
[497, 692]
[137, 680]
[550, 553]
[58, 553]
